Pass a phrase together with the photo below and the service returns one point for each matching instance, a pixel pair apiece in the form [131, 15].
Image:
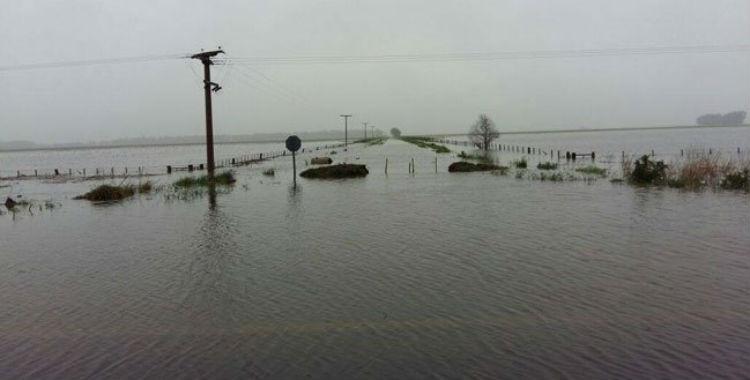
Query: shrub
[647, 172]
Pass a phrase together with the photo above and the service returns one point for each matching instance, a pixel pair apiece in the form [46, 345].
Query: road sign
[293, 143]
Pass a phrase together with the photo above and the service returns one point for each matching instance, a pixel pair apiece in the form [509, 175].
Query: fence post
[169, 169]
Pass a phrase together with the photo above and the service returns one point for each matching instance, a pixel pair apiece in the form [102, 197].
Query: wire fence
[96, 172]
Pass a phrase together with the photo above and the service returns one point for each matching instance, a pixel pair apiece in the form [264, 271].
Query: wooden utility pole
[365, 124]
[346, 128]
[208, 87]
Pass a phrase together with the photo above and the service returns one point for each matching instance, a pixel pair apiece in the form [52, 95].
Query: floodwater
[441, 275]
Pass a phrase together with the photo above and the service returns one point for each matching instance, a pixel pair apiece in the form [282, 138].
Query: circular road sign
[293, 143]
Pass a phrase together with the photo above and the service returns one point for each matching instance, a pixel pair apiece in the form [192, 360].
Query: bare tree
[483, 132]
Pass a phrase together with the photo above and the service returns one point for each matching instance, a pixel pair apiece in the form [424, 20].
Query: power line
[92, 62]
[492, 56]
[264, 87]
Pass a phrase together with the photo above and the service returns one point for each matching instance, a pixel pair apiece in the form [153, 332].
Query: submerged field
[391, 275]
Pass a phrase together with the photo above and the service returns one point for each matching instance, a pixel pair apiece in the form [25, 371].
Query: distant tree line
[717, 119]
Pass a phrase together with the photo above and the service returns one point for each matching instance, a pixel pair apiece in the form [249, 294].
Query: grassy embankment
[425, 142]
[372, 141]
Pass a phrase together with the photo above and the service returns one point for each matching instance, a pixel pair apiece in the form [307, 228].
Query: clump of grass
[105, 193]
[555, 177]
[547, 166]
[521, 164]
[145, 187]
[593, 170]
[336, 171]
[501, 170]
[426, 142]
[462, 167]
[321, 161]
[697, 172]
[269, 172]
[738, 180]
[482, 157]
[224, 179]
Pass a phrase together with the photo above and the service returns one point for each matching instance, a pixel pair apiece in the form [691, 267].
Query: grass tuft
[547, 166]
[105, 193]
[593, 170]
[336, 171]
[521, 164]
[224, 179]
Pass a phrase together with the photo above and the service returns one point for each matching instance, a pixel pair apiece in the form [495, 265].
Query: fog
[162, 98]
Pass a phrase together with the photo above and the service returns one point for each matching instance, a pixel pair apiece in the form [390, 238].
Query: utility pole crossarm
[206, 55]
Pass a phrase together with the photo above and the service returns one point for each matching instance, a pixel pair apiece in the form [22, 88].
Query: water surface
[390, 276]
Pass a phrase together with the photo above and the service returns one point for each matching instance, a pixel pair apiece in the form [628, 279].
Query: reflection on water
[424, 275]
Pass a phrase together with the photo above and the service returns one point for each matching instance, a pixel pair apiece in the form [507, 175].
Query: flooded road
[390, 276]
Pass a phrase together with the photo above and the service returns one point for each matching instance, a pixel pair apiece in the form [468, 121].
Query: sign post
[293, 143]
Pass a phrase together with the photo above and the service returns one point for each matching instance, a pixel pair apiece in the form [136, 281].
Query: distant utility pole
[372, 131]
[208, 87]
[346, 129]
[365, 124]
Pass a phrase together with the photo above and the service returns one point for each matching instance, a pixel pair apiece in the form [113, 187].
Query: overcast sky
[162, 98]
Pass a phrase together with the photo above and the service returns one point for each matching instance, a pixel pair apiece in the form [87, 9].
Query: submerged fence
[150, 170]
[560, 154]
